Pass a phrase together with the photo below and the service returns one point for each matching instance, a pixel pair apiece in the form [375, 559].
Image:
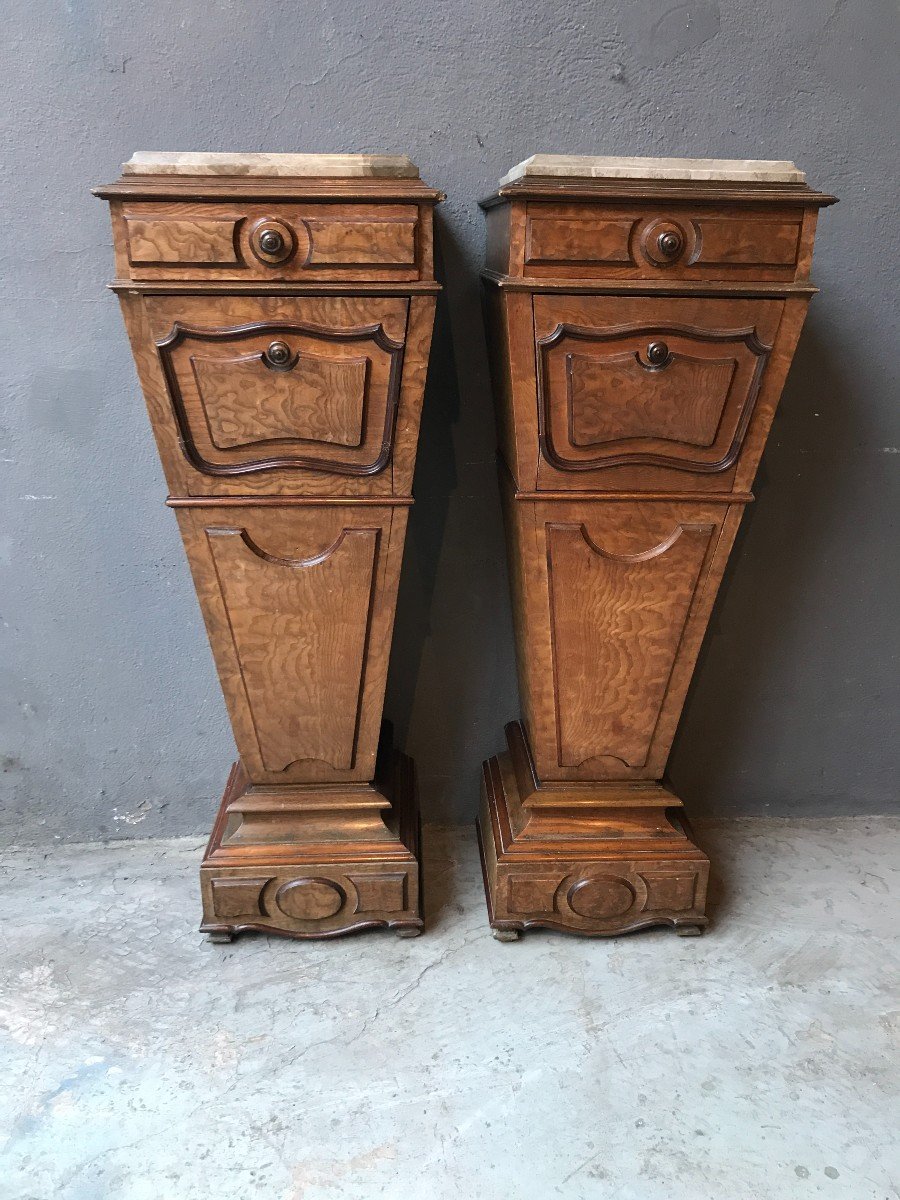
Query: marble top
[582, 166]
[351, 166]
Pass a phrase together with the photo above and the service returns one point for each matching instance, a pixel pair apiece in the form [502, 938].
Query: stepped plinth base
[595, 859]
[315, 862]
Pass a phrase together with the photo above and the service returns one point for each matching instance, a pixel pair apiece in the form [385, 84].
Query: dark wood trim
[710, 191]
[595, 494]
[374, 333]
[259, 188]
[598, 462]
[287, 501]
[244, 287]
[648, 287]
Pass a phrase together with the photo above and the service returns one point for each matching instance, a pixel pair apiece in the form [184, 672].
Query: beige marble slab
[575, 166]
[350, 166]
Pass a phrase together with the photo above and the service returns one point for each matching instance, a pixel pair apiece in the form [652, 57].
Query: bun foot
[408, 931]
[689, 930]
[220, 936]
[506, 935]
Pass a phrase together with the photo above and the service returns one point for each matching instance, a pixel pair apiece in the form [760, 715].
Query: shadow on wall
[434, 483]
[452, 671]
[758, 647]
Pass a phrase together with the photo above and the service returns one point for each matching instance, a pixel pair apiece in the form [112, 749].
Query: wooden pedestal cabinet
[280, 310]
[642, 317]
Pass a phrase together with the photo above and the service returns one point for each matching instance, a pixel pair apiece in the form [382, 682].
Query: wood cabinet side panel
[615, 606]
[299, 608]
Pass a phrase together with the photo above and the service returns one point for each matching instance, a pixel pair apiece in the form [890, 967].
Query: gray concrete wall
[111, 722]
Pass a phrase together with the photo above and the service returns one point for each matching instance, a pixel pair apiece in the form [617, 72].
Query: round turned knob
[670, 243]
[279, 354]
[271, 241]
[657, 353]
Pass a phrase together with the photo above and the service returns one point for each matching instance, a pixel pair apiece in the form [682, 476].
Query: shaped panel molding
[299, 628]
[267, 396]
[247, 402]
[670, 395]
[616, 625]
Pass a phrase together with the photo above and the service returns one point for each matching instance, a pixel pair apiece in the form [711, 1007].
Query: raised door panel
[627, 589]
[299, 605]
[275, 395]
[648, 392]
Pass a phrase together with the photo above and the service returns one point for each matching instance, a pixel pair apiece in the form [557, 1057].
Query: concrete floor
[141, 1062]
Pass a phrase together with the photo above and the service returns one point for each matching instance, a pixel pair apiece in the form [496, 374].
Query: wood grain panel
[619, 241]
[618, 398]
[616, 624]
[359, 243]
[316, 399]
[583, 399]
[208, 241]
[665, 414]
[572, 240]
[759, 243]
[323, 241]
[299, 605]
[299, 628]
[361, 394]
[610, 600]
[151, 319]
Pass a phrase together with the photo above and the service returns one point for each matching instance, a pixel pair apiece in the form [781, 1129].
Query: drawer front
[277, 394]
[647, 391]
[299, 604]
[616, 599]
[276, 242]
[662, 242]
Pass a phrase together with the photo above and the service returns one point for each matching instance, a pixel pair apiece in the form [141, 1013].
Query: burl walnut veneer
[642, 316]
[280, 310]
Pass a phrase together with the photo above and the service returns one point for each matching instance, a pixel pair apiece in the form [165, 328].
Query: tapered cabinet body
[280, 310]
[641, 320]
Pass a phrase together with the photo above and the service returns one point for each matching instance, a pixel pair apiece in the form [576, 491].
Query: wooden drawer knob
[657, 354]
[670, 243]
[278, 354]
[271, 241]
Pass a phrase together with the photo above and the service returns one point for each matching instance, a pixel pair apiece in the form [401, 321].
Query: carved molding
[372, 333]
[745, 336]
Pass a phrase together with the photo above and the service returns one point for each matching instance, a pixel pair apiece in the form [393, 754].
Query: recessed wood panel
[647, 392]
[299, 627]
[603, 402]
[353, 243]
[321, 241]
[622, 242]
[616, 622]
[332, 406]
[572, 240]
[207, 241]
[617, 398]
[317, 399]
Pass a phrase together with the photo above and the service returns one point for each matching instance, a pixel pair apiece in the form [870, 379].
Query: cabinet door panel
[299, 604]
[647, 391]
[627, 588]
[288, 395]
[280, 395]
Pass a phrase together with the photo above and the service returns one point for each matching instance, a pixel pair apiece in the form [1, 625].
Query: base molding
[309, 887]
[593, 871]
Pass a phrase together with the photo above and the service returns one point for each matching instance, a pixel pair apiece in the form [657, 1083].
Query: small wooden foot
[220, 936]
[407, 931]
[507, 935]
[689, 930]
